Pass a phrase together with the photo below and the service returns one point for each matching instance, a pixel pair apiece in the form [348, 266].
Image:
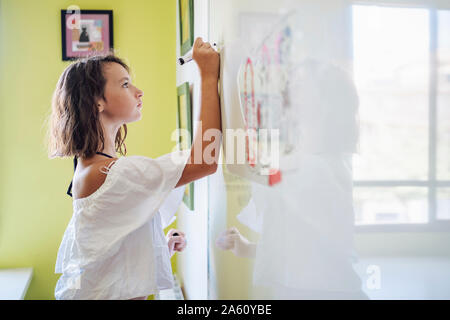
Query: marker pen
[188, 57]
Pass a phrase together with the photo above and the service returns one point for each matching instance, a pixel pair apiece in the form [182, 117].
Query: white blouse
[114, 245]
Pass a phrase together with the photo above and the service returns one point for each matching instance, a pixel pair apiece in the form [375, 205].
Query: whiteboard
[319, 40]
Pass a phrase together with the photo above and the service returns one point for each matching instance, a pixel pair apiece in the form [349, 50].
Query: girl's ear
[100, 105]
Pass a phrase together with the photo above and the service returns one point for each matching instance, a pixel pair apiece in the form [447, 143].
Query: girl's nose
[140, 93]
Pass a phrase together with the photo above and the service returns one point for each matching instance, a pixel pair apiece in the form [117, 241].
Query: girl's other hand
[207, 59]
[176, 241]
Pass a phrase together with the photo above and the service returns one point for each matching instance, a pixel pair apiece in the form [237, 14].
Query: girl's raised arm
[208, 63]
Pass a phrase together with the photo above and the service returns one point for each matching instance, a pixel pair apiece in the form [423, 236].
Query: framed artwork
[86, 32]
[184, 122]
[186, 17]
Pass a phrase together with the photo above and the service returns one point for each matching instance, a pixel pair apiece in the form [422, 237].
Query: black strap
[75, 162]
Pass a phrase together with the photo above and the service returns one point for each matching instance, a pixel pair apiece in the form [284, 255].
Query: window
[402, 73]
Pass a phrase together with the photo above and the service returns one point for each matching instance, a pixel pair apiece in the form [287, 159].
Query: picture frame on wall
[186, 18]
[184, 122]
[85, 33]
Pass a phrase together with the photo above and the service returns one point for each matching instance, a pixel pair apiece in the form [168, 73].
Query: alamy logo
[260, 149]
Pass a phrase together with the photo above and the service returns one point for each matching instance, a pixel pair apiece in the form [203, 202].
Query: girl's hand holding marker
[203, 53]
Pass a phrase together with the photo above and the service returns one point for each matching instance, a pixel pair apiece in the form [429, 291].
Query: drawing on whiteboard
[263, 82]
[251, 112]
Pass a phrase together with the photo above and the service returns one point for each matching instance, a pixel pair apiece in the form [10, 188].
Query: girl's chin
[134, 119]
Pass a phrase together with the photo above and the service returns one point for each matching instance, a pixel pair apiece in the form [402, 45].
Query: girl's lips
[139, 105]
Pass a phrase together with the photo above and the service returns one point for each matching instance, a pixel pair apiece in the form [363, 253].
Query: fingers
[180, 246]
[227, 240]
[198, 42]
[177, 243]
[171, 246]
[207, 59]
[177, 239]
[224, 242]
[172, 231]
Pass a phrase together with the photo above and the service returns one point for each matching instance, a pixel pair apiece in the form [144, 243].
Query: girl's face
[123, 102]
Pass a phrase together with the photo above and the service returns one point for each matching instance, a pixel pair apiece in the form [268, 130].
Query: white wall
[192, 263]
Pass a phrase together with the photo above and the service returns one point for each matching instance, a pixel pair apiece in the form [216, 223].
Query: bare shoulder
[90, 178]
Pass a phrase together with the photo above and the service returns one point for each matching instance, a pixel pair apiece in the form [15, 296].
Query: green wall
[34, 207]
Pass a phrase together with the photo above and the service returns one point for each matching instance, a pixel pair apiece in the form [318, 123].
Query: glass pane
[391, 205]
[443, 99]
[391, 69]
[443, 203]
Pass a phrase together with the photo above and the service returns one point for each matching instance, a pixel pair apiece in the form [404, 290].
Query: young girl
[114, 246]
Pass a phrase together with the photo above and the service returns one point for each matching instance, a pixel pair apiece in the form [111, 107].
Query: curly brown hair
[74, 124]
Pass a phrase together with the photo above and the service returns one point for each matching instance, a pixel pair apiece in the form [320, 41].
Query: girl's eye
[125, 85]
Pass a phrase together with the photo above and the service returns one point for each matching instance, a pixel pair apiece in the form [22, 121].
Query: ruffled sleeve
[133, 192]
[170, 206]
